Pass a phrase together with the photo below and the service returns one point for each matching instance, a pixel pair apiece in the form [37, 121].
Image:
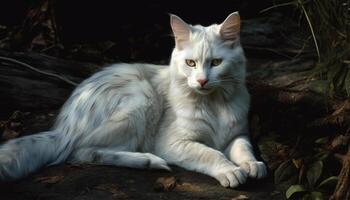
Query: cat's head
[208, 58]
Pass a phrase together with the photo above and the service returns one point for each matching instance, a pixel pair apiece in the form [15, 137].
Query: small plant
[328, 25]
[308, 175]
[312, 189]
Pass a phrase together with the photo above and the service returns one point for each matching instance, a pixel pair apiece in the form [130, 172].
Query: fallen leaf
[297, 163]
[188, 187]
[49, 179]
[113, 189]
[167, 183]
[240, 197]
[39, 40]
[9, 134]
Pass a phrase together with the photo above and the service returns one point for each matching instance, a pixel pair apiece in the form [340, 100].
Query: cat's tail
[22, 156]
[110, 156]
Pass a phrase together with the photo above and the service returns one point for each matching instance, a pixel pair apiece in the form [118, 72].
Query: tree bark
[342, 190]
[40, 87]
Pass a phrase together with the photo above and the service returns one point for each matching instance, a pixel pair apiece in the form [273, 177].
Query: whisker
[226, 80]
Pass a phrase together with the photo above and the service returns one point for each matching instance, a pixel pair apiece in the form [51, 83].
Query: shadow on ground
[104, 182]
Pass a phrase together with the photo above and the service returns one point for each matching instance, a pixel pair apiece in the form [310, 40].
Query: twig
[278, 5]
[312, 30]
[342, 189]
[295, 147]
[38, 70]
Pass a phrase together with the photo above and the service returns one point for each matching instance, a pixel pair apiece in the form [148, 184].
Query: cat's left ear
[230, 28]
[180, 29]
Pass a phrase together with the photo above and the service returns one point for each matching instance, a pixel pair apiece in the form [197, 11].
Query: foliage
[328, 26]
[327, 30]
[311, 190]
[308, 176]
[331, 19]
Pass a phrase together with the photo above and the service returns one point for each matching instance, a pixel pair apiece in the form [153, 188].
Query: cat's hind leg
[110, 156]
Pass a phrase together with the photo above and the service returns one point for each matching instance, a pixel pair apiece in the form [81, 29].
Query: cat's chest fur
[213, 124]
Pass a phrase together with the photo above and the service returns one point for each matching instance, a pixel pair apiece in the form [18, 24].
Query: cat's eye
[216, 62]
[190, 63]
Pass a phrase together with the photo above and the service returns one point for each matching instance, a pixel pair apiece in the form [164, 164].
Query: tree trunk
[30, 81]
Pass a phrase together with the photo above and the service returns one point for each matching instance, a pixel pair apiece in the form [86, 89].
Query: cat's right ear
[181, 31]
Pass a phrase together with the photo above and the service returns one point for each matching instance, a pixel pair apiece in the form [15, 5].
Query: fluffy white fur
[149, 116]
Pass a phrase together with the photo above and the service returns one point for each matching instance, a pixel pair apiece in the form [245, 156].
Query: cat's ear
[180, 29]
[230, 28]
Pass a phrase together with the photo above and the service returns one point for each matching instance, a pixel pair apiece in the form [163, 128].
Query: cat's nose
[202, 82]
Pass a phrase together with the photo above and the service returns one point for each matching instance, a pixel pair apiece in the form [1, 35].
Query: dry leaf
[49, 179]
[9, 134]
[167, 183]
[39, 40]
[113, 189]
[188, 187]
[240, 197]
[298, 163]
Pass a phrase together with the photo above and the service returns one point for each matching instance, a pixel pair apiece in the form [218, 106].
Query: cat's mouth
[204, 91]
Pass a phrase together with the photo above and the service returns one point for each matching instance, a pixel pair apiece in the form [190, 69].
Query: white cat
[192, 113]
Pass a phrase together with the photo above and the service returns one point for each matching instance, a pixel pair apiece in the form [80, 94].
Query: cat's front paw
[231, 176]
[254, 169]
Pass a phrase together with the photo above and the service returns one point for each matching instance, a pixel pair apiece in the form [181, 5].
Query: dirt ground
[104, 182]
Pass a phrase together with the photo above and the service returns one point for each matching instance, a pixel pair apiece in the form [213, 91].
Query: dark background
[104, 32]
[139, 28]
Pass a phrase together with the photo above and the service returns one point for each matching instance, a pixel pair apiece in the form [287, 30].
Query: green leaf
[322, 155]
[323, 140]
[314, 173]
[285, 172]
[315, 196]
[294, 189]
[329, 182]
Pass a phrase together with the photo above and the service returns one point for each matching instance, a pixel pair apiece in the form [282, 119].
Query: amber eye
[190, 63]
[216, 62]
